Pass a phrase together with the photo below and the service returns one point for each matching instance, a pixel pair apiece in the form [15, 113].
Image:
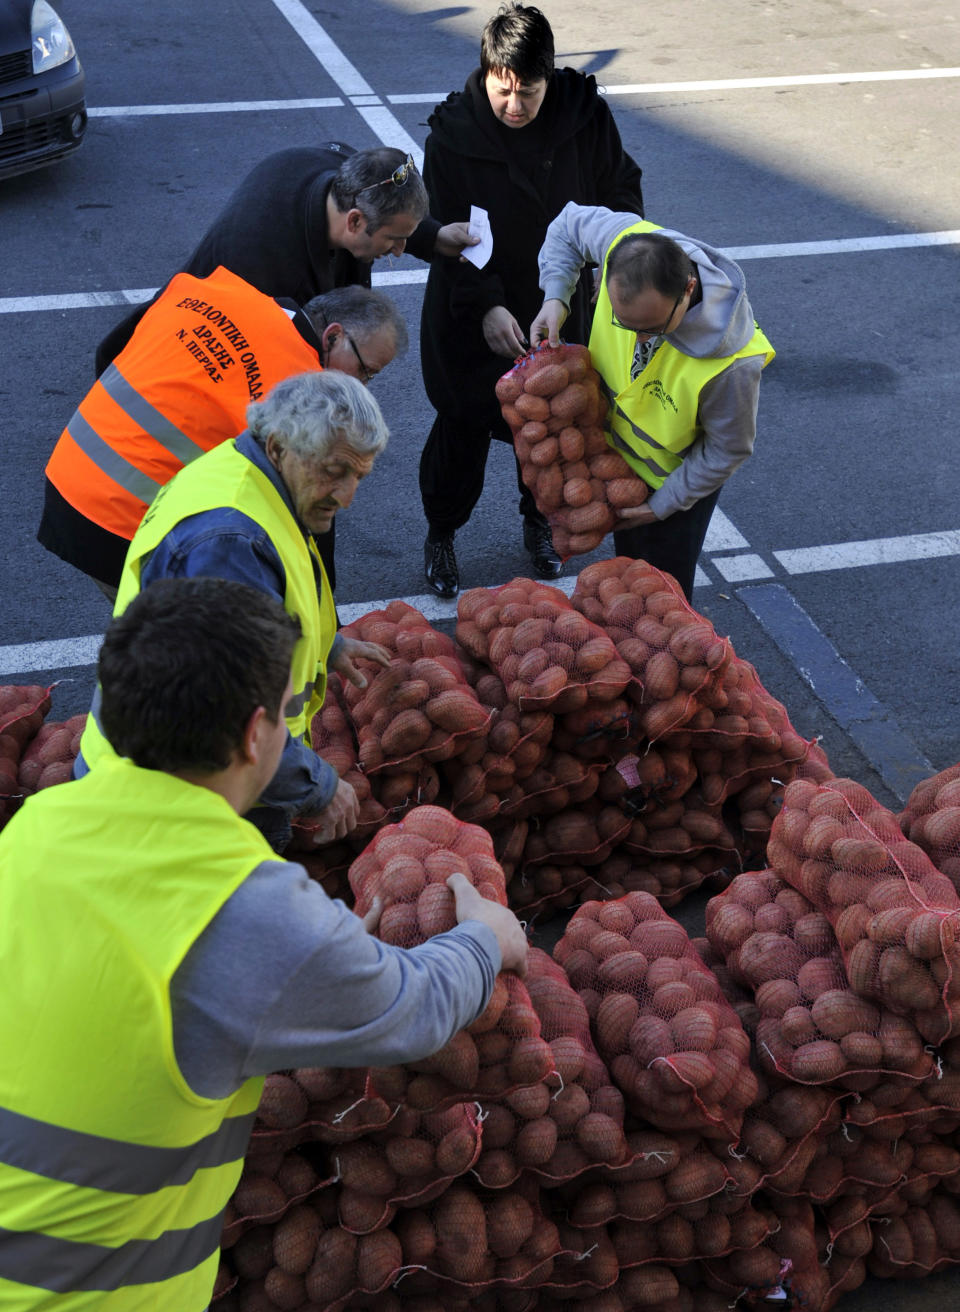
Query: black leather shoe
[440, 566]
[538, 540]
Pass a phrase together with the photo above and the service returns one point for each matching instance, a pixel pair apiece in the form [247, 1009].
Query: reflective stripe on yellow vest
[224, 478]
[113, 1173]
[653, 419]
[203, 351]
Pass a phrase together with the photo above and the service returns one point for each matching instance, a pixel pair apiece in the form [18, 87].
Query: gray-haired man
[248, 510]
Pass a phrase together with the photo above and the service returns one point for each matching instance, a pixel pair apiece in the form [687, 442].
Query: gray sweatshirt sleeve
[728, 427]
[284, 976]
[579, 235]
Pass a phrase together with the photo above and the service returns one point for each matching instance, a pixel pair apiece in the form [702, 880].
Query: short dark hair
[185, 666]
[362, 311]
[649, 259]
[518, 39]
[364, 182]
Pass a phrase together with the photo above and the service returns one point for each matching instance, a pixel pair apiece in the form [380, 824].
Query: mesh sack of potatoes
[911, 1242]
[669, 881]
[410, 1161]
[586, 1262]
[742, 734]
[324, 1104]
[516, 745]
[812, 1275]
[931, 819]
[549, 656]
[473, 1239]
[813, 1027]
[269, 1187]
[407, 866]
[663, 1174]
[782, 1135]
[673, 1044]
[574, 1118]
[420, 708]
[895, 916]
[584, 835]
[676, 1239]
[553, 403]
[848, 1161]
[598, 732]
[682, 828]
[674, 654]
[22, 709]
[333, 738]
[558, 783]
[49, 756]
[538, 889]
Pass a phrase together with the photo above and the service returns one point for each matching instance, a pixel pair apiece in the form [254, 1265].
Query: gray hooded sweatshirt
[720, 325]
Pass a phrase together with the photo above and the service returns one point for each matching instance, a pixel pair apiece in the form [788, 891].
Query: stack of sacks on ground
[841, 962]
[626, 1128]
[553, 402]
[507, 1167]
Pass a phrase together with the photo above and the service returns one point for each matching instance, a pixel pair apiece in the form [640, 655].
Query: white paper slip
[479, 227]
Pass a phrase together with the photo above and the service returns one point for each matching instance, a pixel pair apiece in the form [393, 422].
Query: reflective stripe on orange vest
[202, 352]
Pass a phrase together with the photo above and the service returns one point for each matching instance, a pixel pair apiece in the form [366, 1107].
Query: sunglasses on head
[398, 177]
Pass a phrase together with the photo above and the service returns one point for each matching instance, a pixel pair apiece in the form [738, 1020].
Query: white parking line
[413, 277]
[347, 77]
[876, 551]
[335, 63]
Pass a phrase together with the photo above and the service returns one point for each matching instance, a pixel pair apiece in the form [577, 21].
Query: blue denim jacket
[227, 544]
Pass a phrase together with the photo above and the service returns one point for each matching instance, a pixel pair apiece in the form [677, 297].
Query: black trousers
[672, 544]
[452, 467]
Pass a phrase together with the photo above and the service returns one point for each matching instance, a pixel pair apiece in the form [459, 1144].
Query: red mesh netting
[931, 819]
[912, 1241]
[412, 1159]
[573, 1119]
[421, 708]
[813, 1027]
[21, 714]
[407, 866]
[674, 1045]
[674, 654]
[49, 756]
[895, 916]
[553, 403]
[549, 657]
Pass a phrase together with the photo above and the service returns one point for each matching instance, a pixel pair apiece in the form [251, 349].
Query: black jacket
[522, 177]
[272, 232]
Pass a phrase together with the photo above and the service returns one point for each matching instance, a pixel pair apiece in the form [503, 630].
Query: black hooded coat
[522, 177]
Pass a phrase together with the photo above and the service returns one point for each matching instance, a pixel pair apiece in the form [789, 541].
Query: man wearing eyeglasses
[311, 218]
[203, 351]
[680, 354]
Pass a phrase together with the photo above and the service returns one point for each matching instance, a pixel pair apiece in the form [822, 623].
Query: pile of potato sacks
[645, 1120]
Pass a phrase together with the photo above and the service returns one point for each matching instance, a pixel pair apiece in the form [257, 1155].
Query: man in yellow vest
[249, 510]
[680, 354]
[203, 351]
[159, 960]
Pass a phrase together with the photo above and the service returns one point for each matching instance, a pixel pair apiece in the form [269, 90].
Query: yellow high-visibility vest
[114, 1173]
[652, 420]
[226, 478]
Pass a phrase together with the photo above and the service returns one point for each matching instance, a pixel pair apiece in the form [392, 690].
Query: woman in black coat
[520, 141]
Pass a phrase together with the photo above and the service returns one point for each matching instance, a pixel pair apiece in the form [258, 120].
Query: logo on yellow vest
[657, 392]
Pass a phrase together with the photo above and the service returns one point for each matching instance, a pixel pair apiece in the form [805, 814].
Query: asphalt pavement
[814, 139]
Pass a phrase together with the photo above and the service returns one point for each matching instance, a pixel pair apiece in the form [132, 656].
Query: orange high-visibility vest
[200, 355]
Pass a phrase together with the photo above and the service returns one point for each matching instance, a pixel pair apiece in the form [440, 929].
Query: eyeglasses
[649, 332]
[398, 177]
[366, 373]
